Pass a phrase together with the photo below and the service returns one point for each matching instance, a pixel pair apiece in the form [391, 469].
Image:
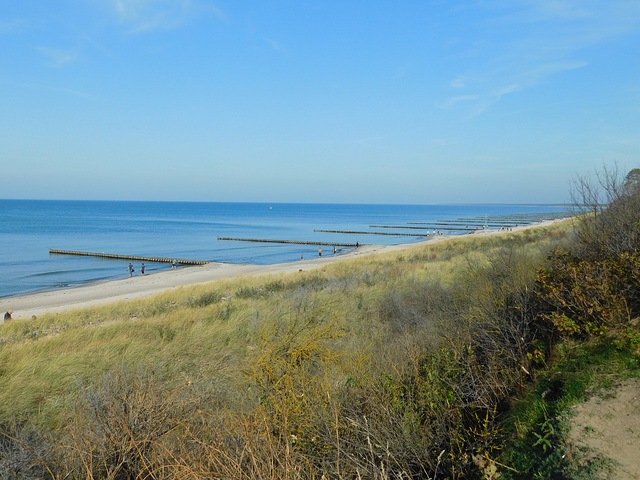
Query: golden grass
[207, 333]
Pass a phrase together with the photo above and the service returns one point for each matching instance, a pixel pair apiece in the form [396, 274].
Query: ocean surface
[29, 228]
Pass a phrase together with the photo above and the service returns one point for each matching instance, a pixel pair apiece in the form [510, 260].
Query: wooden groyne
[464, 224]
[398, 226]
[295, 242]
[136, 258]
[521, 218]
[419, 228]
[373, 233]
[499, 223]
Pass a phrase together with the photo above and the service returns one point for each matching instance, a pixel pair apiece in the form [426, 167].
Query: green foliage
[586, 297]
[205, 299]
[292, 374]
[547, 434]
[166, 333]
[630, 339]
[632, 180]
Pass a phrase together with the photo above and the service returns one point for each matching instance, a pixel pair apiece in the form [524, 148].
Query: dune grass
[207, 331]
[361, 329]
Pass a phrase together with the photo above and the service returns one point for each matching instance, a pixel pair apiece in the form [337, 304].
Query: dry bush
[295, 374]
[417, 417]
[498, 310]
[610, 224]
[316, 411]
[127, 426]
[291, 424]
[439, 411]
[418, 303]
[320, 411]
[24, 453]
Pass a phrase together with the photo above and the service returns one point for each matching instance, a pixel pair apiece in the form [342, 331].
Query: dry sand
[144, 286]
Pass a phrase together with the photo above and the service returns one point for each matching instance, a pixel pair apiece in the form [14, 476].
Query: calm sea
[29, 228]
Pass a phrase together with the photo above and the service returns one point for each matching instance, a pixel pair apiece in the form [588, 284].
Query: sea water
[30, 228]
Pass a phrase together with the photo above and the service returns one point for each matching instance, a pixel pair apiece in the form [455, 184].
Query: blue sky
[497, 101]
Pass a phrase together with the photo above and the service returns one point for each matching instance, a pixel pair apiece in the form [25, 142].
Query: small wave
[49, 274]
[63, 272]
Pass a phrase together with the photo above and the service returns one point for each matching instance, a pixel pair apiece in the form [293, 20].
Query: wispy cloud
[521, 43]
[141, 16]
[511, 84]
[450, 102]
[550, 68]
[561, 9]
[275, 45]
[459, 82]
[533, 11]
[58, 57]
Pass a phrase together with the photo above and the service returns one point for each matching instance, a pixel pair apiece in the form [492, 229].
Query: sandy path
[610, 428]
[144, 286]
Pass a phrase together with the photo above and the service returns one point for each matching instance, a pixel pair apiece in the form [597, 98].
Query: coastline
[130, 288]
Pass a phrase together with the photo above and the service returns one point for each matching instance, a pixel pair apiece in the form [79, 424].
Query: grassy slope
[212, 336]
[412, 358]
[205, 333]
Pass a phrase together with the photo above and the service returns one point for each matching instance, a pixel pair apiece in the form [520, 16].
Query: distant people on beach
[131, 270]
[320, 252]
[142, 268]
[7, 316]
[335, 250]
[174, 264]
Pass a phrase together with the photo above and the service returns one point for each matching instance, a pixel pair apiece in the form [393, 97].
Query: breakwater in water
[135, 258]
[290, 242]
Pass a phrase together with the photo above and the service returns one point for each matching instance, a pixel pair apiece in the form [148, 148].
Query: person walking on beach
[174, 264]
[142, 268]
[334, 251]
[320, 252]
[130, 268]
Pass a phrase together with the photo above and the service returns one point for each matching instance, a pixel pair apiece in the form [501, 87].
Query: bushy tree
[609, 208]
[595, 285]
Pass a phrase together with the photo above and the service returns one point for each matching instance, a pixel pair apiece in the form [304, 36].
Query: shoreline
[130, 288]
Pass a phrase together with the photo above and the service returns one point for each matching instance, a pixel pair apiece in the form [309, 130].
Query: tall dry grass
[383, 366]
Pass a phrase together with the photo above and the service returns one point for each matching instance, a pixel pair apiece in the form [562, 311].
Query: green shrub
[585, 297]
[208, 298]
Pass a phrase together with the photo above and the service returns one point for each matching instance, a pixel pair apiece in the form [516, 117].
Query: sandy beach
[140, 286]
